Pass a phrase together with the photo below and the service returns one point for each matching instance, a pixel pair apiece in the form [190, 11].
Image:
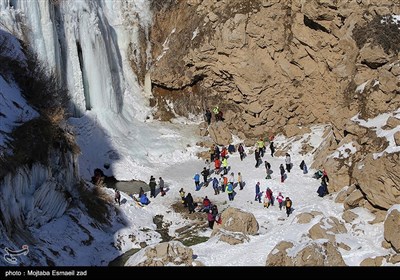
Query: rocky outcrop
[220, 133]
[377, 261]
[327, 228]
[305, 218]
[230, 237]
[353, 200]
[349, 216]
[280, 66]
[279, 256]
[379, 180]
[392, 229]
[236, 220]
[163, 254]
[313, 254]
[272, 64]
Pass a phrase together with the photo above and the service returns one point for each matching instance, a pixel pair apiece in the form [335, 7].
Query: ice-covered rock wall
[101, 51]
[34, 195]
[88, 43]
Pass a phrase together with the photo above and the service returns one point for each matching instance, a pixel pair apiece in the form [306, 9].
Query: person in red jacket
[217, 164]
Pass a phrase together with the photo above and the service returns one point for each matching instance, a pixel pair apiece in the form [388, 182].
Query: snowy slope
[363, 238]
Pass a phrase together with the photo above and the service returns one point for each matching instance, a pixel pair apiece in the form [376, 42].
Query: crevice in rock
[314, 25]
[195, 80]
[373, 65]
[366, 198]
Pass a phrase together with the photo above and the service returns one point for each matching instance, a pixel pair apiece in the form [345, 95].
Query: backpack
[230, 187]
[288, 203]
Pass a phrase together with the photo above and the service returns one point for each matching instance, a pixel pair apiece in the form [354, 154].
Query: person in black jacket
[152, 185]
[205, 174]
[272, 148]
[190, 203]
[282, 170]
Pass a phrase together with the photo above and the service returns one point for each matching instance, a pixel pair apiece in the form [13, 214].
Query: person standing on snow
[211, 219]
[190, 203]
[232, 178]
[205, 174]
[229, 190]
[288, 162]
[303, 167]
[152, 185]
[282, 170]
[241, 151]
[182, 195]
[261, 147]
[197, 181]
[280, 200]
[270, 196]
[288, 205]
[208, 165]
[215, 186]
[257, 157]
[225, 165]
[161, 186]
[267, 169]
[258, 193]
[217, 165]
[272, 148]
[240, 181]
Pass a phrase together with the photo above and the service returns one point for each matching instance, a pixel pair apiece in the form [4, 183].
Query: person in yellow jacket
[225, 165]
[261, 147]
[182, 194]
[216, 112]
[229, 190]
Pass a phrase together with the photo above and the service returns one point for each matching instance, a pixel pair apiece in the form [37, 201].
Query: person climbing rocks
[117, 197]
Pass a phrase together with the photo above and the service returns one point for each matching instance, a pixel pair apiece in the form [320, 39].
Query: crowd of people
[222, 182]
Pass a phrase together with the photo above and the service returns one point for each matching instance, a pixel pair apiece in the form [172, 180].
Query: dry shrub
[96, 202]
[382, 31]
[32, 141]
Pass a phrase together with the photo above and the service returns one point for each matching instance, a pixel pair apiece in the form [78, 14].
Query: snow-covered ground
[364, 239]
[137, 147]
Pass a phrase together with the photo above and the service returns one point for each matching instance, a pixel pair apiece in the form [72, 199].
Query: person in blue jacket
[215, 185]
[197, 181]
[144, 199]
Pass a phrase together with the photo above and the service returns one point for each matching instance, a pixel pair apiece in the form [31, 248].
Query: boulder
[394, 259]
[349, 216]
[293, 130]
[373, 56]
[376, 261]
[397, 138]
[353, 200]
[327, 228]
[279, 256]
[236, 220]
[316, 254]
[163, 254]
[392, 229]
[231, 238]
[305, 218]
[220, 133]
[379, 180]
[312, 254]
[344, 193]
[391, 123]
